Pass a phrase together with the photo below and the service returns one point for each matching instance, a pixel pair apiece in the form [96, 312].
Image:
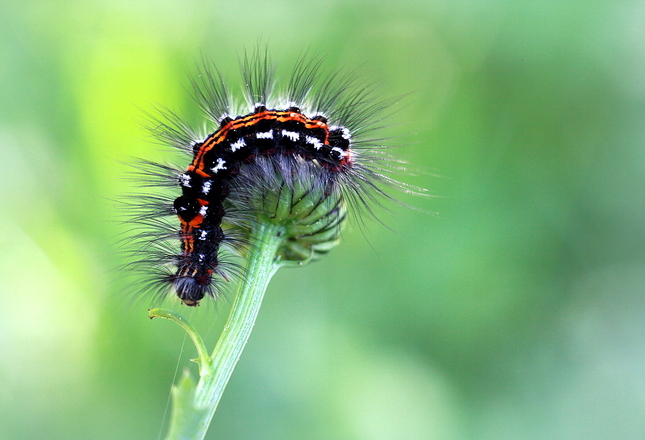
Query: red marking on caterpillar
[317, 131]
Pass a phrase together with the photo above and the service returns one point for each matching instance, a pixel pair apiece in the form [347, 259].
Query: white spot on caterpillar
[201, 257]
[203, 235]
[207, 186]
[340, 152]
[203, 210]
[345, 134]
[314, 141]
[184, 180]
[237, 145]
[219, 166]
[294, 136]
[265, 135]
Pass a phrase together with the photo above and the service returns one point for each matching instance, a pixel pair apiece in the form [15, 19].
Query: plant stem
[260, 266]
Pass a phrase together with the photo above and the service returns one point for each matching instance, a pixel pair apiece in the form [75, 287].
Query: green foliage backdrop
[517, 312]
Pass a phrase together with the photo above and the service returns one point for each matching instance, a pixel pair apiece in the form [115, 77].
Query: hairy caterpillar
[315, 130]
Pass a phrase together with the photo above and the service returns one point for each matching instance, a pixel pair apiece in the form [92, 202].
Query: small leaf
[186, 417]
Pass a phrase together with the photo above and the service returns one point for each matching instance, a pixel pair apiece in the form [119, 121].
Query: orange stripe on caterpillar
[248, 121]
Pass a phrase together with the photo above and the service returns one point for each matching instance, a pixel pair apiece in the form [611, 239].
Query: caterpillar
[315, 130]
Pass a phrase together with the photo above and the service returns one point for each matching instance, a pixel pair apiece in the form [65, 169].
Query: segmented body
[217, 161]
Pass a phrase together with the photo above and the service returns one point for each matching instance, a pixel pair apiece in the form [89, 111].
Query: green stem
[260, 266]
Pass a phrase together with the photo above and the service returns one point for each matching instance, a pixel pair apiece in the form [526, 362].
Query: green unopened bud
[312, 221]
[309, 209]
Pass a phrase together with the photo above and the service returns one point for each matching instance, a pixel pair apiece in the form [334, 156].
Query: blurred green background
[517, 312]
